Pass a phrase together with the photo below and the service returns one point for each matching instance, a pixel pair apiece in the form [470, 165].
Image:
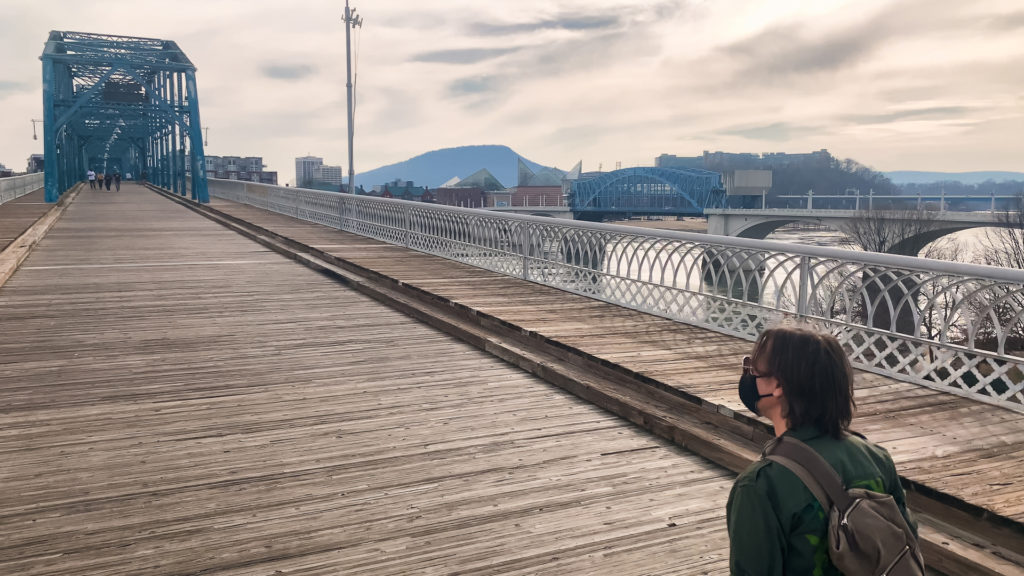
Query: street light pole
[351, 21]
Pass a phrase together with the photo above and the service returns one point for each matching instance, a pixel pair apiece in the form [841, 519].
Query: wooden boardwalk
[176, 399]
[18, 214]
[949, 447]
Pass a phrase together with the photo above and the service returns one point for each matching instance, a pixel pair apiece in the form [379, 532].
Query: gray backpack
[867, 534]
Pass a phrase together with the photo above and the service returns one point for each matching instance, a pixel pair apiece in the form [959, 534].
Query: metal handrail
[18, 186]
[950, 326]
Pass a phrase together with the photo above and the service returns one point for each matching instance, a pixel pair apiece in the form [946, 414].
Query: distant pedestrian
[117, 181]
[107, 179]
[91, 176]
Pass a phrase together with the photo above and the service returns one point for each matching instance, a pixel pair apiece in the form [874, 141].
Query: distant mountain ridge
[916, 177]
[434, 168]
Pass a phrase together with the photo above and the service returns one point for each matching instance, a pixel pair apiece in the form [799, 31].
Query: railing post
[524, 242]
[803, 296]
[406, 223]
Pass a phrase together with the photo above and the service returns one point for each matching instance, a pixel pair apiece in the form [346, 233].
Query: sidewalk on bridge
[944, 445]
[177, 399]
[23, 223]
[19, 214]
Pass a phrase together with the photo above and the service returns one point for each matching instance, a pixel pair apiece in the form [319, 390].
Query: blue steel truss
[649, 190]
[119, 103]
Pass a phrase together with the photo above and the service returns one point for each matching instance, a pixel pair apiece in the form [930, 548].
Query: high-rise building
[327, 175]
[304, 169]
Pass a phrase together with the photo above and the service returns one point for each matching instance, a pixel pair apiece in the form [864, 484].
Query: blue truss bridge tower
[120, 103]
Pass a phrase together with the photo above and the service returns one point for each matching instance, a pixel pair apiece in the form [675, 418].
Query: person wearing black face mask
[749, 393]
[802, 382]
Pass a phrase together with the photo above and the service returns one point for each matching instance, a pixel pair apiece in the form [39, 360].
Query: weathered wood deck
[176, 399]
[18, 214]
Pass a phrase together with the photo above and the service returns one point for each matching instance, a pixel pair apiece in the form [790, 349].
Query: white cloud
[903, 84]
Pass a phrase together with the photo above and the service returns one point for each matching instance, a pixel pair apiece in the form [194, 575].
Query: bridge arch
[649, 190]
[760, 226]
[761, 229]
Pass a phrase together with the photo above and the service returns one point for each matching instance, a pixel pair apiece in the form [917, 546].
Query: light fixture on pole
[34, 137]
[351, 21]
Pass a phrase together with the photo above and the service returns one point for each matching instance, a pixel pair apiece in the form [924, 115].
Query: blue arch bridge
[645, 191]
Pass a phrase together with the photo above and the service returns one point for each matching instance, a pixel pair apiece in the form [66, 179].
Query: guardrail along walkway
[176, 399]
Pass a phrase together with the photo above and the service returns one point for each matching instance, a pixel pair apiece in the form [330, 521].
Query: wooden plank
[23, 221]
[176, 399]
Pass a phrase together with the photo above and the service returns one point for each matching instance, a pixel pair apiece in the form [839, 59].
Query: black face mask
[749, 394]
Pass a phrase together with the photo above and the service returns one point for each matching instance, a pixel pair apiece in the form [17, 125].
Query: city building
[475, 191]
[311, 172]
[304, 168]
[720, 161]
[403, 190]
[247, 168]
[35, 163]
[464, 197]
[543, 188]
[327, 175]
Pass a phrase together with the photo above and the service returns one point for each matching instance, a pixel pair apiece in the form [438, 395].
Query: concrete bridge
[925, 226]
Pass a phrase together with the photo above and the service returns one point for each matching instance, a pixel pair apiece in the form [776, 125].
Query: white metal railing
[18, 186]
[950, 326]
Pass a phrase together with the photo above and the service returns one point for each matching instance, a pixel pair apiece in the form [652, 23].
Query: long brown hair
[815, 375]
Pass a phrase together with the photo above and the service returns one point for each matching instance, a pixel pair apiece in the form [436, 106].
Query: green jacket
[777, 527]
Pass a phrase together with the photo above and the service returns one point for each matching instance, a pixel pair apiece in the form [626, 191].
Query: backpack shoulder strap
[823, 478]
[809, 480]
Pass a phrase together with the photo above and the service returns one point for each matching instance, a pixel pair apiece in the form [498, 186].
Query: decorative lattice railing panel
[953, 327]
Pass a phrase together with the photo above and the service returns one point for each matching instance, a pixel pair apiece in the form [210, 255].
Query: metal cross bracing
[647, 190]
[120, 104]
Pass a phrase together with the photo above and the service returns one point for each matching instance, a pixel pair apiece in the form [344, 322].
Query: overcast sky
[895, 84]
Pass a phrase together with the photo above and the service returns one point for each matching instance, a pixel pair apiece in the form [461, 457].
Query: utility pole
[351, 21]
